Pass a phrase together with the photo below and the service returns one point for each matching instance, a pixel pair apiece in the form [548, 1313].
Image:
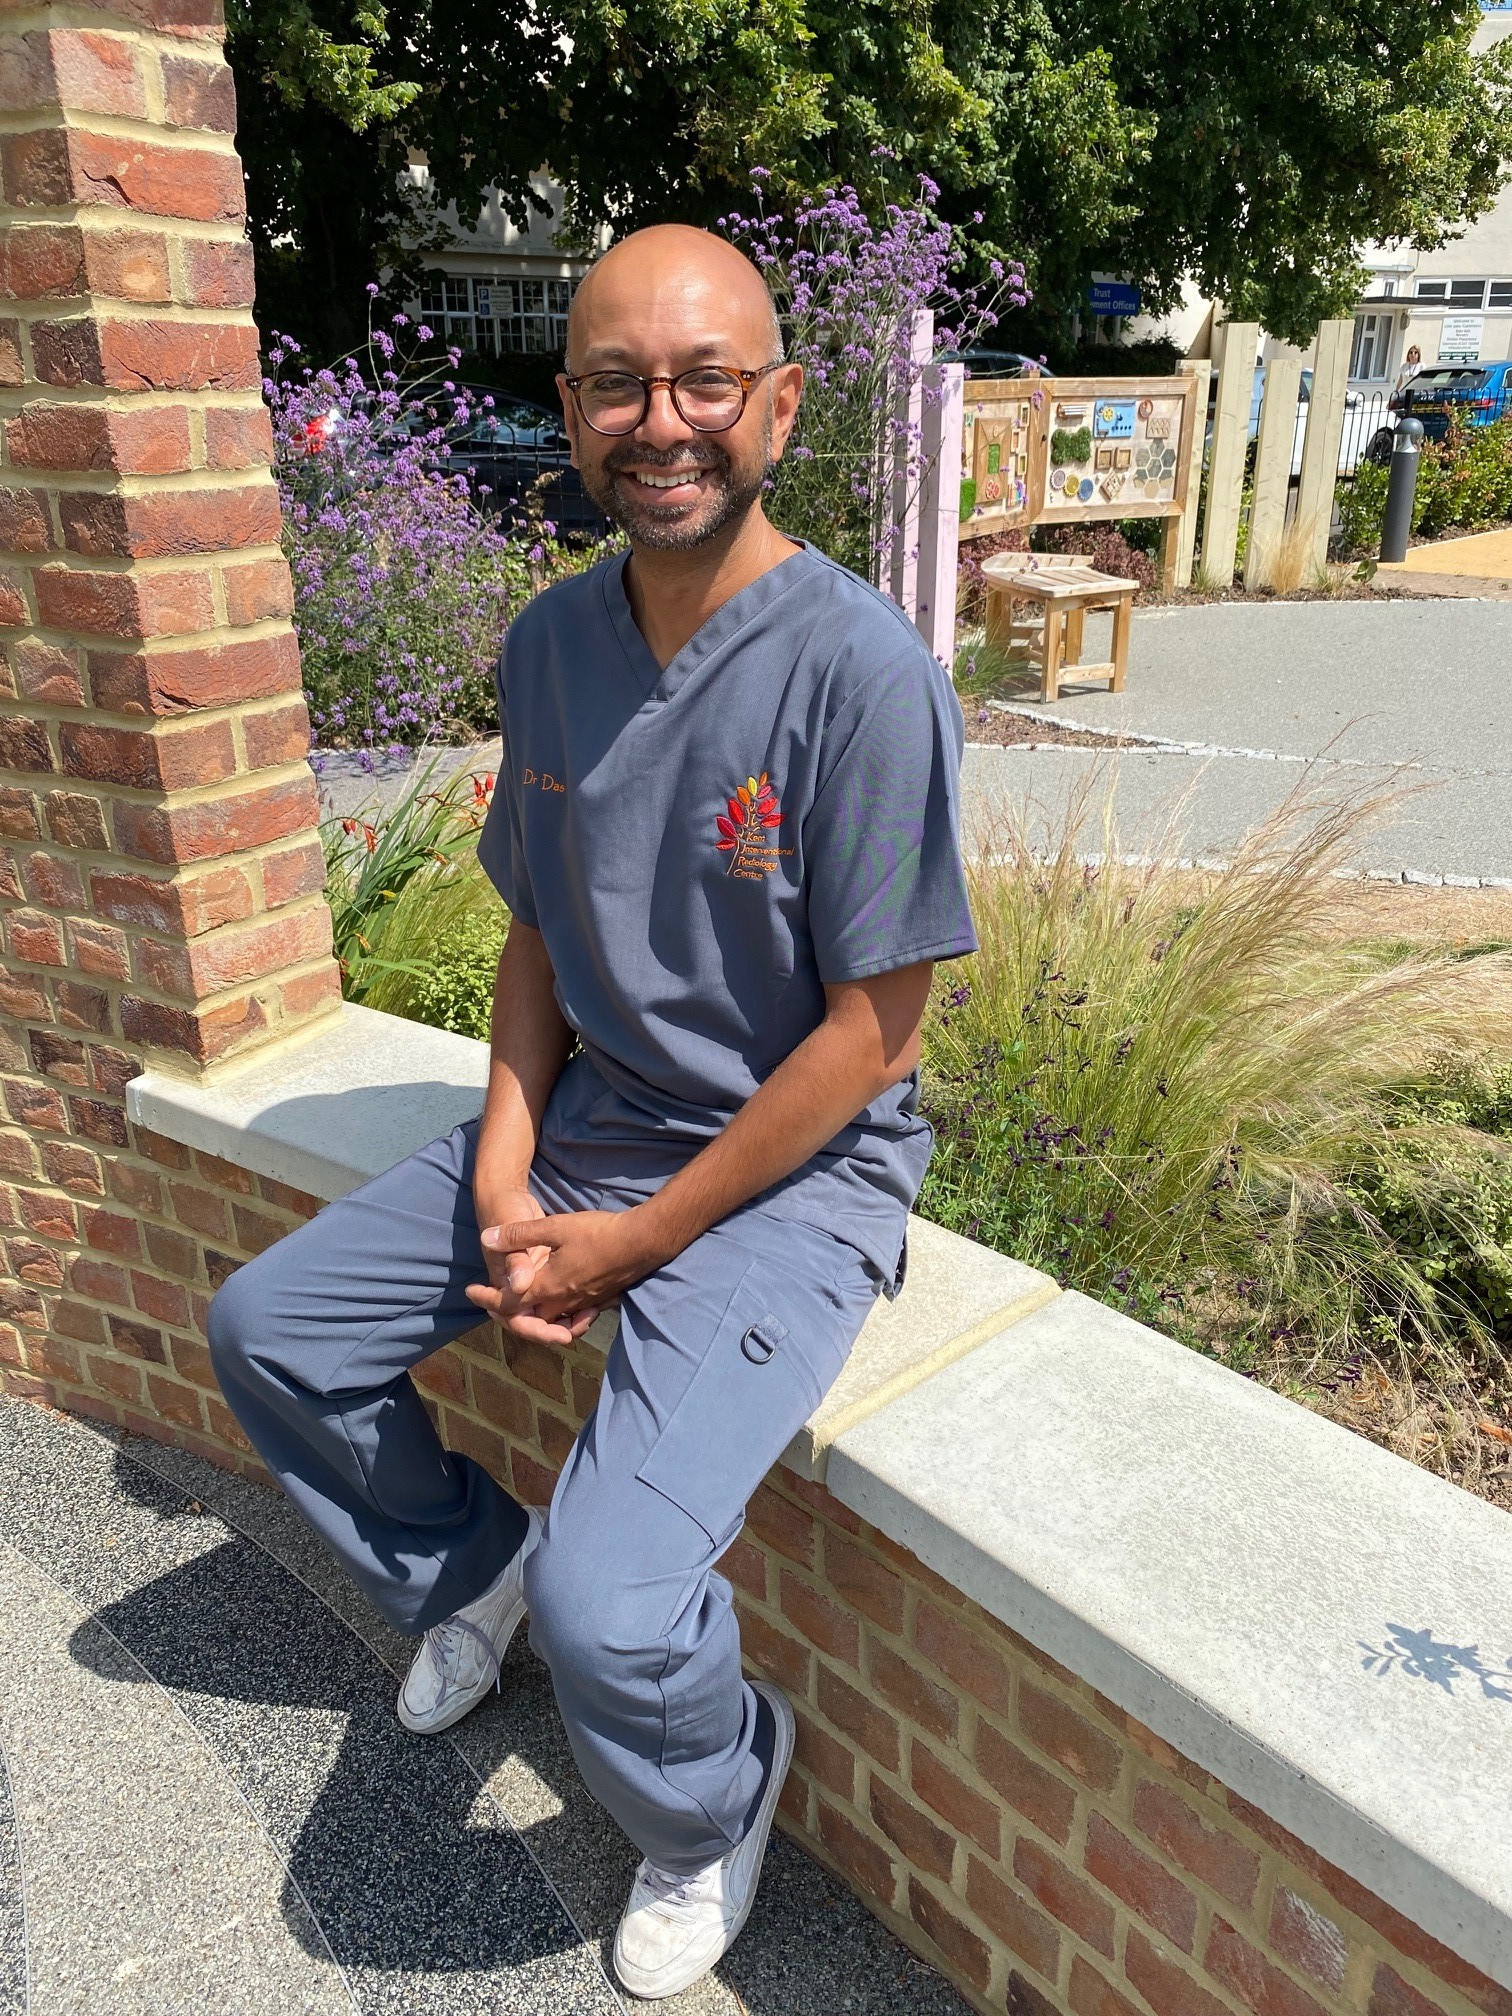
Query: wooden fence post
[903, 453]
[1320, 451]
[1179, 535]
[1225, 492]
[1273, 461]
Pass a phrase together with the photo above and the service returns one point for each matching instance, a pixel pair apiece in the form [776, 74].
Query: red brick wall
[1043, 1848]
[160, 876]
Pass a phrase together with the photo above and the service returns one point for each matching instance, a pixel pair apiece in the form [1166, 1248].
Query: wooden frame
[1041, 396]
[1105, 391]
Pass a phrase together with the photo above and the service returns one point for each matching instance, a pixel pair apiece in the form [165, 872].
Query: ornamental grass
[1180, 1094]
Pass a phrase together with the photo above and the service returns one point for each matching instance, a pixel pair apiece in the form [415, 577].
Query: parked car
[1356, 416]
[516, 456]
[1480, 393]
[984, 363]
[513, 453]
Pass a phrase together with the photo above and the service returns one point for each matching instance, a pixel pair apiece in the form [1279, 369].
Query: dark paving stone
[811, 1948]
[424, 1894]
[12, 1906]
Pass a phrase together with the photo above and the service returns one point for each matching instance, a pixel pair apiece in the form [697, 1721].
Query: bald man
[725, 828]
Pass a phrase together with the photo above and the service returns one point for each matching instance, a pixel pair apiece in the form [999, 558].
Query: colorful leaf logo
[751, 809]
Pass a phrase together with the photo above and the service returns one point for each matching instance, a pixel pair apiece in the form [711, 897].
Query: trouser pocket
[751, 1394]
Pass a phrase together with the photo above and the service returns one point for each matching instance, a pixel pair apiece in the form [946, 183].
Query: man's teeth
[668, 482]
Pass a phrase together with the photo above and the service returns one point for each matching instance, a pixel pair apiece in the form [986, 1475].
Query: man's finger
[538, 1329]
[534, 1232]
[517, 1237]
[485, 1295]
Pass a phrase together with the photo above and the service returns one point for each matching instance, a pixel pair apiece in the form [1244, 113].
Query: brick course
[1051, 1856]
[162, 892]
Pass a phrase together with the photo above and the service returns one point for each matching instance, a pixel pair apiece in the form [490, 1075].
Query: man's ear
[570, 415]
[787, 394]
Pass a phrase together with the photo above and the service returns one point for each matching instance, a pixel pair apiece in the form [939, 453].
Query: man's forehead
[684, 289]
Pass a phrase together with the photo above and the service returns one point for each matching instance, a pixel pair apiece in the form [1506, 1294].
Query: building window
[1500, 294]
[1460, 295]
[499, 314]
[1371, 347]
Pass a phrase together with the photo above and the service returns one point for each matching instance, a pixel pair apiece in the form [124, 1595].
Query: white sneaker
[459, 1659]
[676, 1928]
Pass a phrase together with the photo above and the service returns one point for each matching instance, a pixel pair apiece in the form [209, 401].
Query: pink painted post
[940, 508]
[903, 557]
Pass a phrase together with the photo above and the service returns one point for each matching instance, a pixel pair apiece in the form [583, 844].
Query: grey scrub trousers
[718, 1360]
[703, 847]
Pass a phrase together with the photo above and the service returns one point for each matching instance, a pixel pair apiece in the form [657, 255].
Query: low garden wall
[1124, 1687]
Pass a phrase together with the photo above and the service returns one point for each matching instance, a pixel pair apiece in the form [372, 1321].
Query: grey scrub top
[702, 848]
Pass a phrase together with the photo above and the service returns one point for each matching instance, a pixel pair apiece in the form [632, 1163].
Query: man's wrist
[502, 1182]
[661, 1232]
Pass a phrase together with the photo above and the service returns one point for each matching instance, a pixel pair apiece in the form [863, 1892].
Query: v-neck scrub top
[704, 847]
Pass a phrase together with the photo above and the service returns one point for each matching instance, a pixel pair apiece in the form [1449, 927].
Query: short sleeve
[501, 844]
[881, 843]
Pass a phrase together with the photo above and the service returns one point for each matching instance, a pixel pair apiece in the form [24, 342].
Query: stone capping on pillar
[162, 882]
[1321, 1628]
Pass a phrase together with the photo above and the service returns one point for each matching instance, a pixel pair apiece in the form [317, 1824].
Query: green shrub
[1464, 484]
[1185, 1102]
[1361, 505]
[456, 990]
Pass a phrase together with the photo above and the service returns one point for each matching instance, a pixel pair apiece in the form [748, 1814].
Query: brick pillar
[160, 874]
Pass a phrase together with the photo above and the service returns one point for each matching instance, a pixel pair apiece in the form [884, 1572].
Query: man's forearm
[866, 1043]
[529, 1043]
[868, 1040]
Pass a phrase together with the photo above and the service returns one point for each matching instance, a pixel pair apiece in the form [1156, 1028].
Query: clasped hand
[548, 1277]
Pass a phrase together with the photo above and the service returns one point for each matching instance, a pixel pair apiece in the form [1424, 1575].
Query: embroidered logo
[743, 827]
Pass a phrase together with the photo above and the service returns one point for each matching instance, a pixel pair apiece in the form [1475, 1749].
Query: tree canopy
[1255, 147]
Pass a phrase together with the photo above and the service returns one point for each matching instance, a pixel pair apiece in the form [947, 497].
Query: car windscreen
[1428, 383]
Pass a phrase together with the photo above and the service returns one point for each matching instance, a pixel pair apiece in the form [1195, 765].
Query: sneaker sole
[754, 1845]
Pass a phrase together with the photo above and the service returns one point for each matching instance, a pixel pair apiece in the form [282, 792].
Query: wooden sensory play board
[1064, 451]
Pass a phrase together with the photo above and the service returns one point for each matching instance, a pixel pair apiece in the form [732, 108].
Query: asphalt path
[1257, 702]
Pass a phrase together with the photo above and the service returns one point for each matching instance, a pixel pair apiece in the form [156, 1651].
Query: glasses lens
[612, 401]
[710, 399]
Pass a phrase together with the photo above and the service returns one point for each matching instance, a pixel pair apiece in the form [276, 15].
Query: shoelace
[444, 1641]
[666, 1888]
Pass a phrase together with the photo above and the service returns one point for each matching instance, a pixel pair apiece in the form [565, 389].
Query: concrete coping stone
[367, 1089]
[1322, 1626]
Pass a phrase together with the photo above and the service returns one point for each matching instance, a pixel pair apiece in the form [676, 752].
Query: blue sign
[1113, 420]
[1113, 297]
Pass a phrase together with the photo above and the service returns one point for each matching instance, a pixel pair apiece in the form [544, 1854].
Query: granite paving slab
[13, 1966]
[811, 1948]
[418, 1886]
[151, 1885]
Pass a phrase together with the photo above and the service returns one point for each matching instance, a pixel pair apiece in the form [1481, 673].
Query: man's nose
[663, 426]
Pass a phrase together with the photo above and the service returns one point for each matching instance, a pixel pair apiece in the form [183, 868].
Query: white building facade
[497, 290]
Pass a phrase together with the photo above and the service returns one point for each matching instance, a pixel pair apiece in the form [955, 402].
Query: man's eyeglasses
[711, 397]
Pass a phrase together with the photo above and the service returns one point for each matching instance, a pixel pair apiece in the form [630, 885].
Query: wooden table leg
[1123, 624]
[999, 618]
[1054, 648]
[1074, 620]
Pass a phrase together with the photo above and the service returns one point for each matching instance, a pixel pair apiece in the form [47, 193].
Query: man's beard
[674, 528]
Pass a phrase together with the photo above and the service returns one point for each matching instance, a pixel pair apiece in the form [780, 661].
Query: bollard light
[1401, 488]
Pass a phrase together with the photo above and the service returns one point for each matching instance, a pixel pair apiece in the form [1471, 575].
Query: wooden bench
[1060, 588]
